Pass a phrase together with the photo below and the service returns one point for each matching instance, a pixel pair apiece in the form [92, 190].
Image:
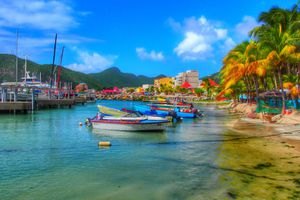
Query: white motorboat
[129, 123]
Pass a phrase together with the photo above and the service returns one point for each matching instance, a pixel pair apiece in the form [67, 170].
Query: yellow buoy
[104, 144]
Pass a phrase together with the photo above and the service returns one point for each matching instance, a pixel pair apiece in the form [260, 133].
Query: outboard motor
[199, 114]
[88, 122]
[173, 114]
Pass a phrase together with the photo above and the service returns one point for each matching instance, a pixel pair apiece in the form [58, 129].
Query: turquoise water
[47, 155]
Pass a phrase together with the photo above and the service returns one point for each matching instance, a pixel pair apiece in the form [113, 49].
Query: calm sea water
[47, 155]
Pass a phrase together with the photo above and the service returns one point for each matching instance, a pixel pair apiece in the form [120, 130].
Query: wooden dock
[54, 103]
[15, 107]
[14, 99]
[80, 100]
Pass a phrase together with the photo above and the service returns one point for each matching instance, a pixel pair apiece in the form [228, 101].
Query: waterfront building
[146, 86]
[139, 90]
[167, 81]
[190, 76]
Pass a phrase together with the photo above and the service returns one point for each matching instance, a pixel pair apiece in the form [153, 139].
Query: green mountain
[114, 77]
[107, 78]
[8, 64]
[214, 77]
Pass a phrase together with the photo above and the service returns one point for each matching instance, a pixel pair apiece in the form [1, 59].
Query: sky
[144, 37]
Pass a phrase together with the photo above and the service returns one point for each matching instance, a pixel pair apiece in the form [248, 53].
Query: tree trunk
[275, 81]
[247, 87]
[282, 92]
[264, 83]
[256, 87]
[298, 77]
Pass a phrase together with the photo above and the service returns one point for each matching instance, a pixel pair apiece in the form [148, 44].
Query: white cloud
[193, 47]
[36, 46]
[242, 29]
[201, 38]
[38, 14]
[227, 45]
[92, 62]
[143, 54]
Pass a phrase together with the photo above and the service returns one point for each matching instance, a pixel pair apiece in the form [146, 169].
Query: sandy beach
[272, 167]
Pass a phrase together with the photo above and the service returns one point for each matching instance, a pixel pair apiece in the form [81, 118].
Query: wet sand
[262, 164]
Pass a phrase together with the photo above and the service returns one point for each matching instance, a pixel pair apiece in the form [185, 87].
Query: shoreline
[287, 126]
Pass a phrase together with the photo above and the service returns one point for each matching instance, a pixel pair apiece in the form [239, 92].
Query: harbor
[193, 159]
[134, 100]
[10, 102]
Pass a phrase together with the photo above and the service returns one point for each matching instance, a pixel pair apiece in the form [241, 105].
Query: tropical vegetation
[269, 60]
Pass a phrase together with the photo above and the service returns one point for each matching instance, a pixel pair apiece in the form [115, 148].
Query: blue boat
[179, 113]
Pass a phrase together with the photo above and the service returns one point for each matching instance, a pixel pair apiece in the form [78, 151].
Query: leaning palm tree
[234, 68]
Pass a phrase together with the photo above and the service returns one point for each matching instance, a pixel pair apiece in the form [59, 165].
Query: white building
[191, 76]
[146, 86]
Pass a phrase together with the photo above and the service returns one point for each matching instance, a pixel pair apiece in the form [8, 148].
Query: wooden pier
[54, 103]
[12, 101]
[80, 100]
[9, 107]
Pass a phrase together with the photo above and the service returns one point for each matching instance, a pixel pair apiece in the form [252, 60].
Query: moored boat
[107, 111]
[171, 105]
[184, 113]
[142, 123]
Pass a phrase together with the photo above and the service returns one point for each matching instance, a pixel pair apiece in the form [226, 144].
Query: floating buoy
[80, 123]
[104, 144]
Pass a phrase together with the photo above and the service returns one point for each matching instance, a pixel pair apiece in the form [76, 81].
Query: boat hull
[169, 106]
[101, 124]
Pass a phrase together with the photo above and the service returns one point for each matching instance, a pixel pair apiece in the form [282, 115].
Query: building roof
[186, 85]
[213, 83]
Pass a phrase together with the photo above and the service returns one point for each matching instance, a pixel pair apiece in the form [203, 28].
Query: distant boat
[27, 80]
[32, 80]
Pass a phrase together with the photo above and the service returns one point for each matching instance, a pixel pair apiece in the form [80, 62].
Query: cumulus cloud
[242, 29]
[91, 62]
[201, 38]
[193, 47]
[38, 14]
[152, 55]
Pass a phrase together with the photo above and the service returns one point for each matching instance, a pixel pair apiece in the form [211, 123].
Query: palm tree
[236, 68]
[279, 34]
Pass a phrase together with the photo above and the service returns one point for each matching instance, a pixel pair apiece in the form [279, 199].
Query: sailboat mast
[59, 67]
[53, 63]
[17, 46]
[25, 69]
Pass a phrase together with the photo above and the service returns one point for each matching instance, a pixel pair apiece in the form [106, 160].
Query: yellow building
[139, 90]
[167, 81]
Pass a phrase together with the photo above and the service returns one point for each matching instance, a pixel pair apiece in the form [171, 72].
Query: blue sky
[144, 37]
